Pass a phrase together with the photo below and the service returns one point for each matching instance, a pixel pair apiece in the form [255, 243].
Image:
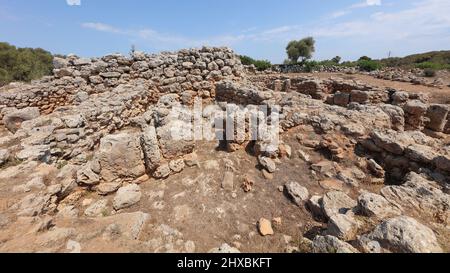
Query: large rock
[337, 202]
[437, 115]
[97, 209]
[175, 139]
[415, 111]
[120, 156]
[13, 118]
[150, 147]
[86, 176]
[443, 163]
[297, 193]
[374, 205]
[388, 142]
[331, 244]
[406, 235]
[420, 195]
[396, 114]
[420, 153]
[268, 164]
[127, 196]
[128, 225]
[343, 226]
[4, 156]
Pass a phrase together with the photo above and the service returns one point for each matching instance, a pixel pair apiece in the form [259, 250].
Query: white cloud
[373, 2]
[350, 9]
[164, 40]
[101, 27]
[73, 2]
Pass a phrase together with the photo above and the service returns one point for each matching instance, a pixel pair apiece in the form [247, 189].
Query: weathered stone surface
[265, 227]
[405, 234]
[150, 147]
[297, 193]
[374, 205]
[127, 196]
[97, 209]
[330, 244]
[14, 118]
[314, 205]
[375, 168]
[387, 142]
[162, 171]
[120, 156]
[108, 188]
[87, 176]
[442, 162]
[176, 166]
[437, 115]
[419, 194]
[173, 142]
[4, 156]
[420, 153]
[337, 202]
[343, 226]
[267, 163]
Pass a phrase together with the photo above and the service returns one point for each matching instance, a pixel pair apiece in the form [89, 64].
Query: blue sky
[259, 28]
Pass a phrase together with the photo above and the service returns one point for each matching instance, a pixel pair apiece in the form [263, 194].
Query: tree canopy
[302, 49]
[23, 64]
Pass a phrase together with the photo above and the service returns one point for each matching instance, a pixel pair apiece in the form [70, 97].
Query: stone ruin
[106, 121]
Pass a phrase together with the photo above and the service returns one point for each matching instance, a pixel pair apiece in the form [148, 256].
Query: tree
[365, 58]
[336, 60]
[303, 49]
[23, 64]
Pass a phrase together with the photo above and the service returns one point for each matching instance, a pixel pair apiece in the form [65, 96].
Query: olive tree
[302, 49]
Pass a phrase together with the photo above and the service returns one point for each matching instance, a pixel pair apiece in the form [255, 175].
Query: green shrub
[246, 60]
[349, 64]
[365, 58]
[427, 65]
[433, 66]
[429, 72]
[23, 64]
[368, 65]
[260, 65]
[310, 66]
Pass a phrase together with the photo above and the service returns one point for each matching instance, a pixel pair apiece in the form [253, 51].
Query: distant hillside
[435, 59]
[23, 64]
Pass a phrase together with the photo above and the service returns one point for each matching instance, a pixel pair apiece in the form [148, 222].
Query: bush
[368, 65]
[429, 72]
[365, 58]
[260, 65]
[23, 64]
[310, 66]
[428, 65]
[433, 66]
[246, 60]
[263, 65]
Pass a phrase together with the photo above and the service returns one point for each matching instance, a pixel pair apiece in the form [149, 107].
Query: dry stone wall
[188, 73]
[410, 111]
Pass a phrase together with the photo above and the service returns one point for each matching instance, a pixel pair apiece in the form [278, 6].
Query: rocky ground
[360, 167]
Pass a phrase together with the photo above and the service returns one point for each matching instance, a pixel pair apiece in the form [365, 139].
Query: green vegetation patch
[23, 64]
